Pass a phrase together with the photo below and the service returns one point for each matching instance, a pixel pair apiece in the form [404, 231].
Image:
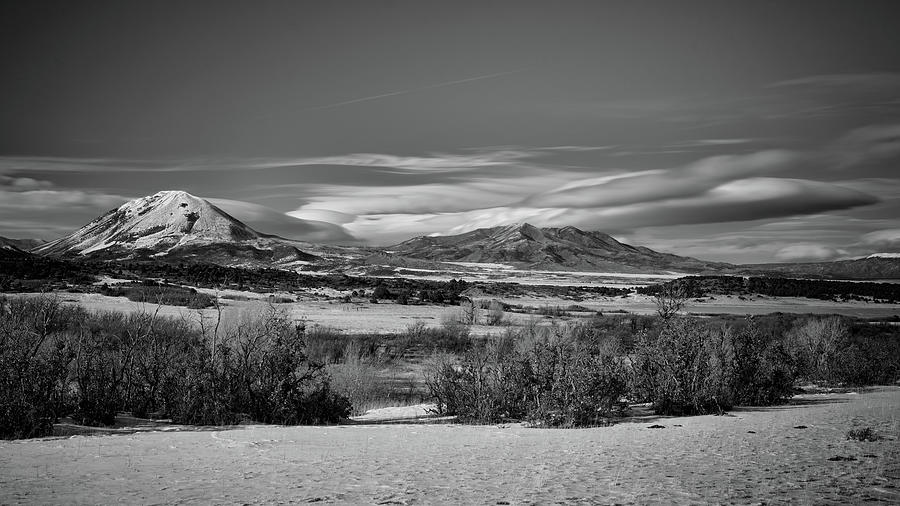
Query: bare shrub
[453, 323]
[762, 368]
[270, 376]
[478, 388]
[695, 368]
[57, 360]
[577, 383]
[555, 311]
[358, 379]
[468, 312]
[816, 343]
[685, 370]
[545, 377]
[494, 314]
[326, 345]
[670, 300]
[34, 357]
[870, 357]
[862, 434]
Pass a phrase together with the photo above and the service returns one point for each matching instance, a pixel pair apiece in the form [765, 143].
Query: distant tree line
[24, 272]
[159, 293]
[30, 273]
[700, 286]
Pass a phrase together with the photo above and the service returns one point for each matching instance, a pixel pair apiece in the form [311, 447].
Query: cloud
[433, 162]
[576, 149]
[834, 95]
[889, 238]
[743, 200]
[706, 143]
[20, 164]
[393, 197]
[806, 251]
[413, 90]
[269, 221]
[860, 81]
[472, 193]
[22, 183]
[437, 162]
[723, 188]
[392, 228]
[654, 185]
[48, 213]
[868, 144]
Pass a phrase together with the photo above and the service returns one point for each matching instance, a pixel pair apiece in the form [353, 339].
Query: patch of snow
[485, 265]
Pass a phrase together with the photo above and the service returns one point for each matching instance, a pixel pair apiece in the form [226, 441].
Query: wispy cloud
[384, 198]
[707, 143]
[270, 221]
[883, 238]
[873, 80]
[434, 162]
[807, 252]
[413, 90]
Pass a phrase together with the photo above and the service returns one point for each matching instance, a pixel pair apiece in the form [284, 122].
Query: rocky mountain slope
[567, 248]
[873, 267]
[174, 225]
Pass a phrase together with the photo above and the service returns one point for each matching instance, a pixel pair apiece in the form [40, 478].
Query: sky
[757, 131]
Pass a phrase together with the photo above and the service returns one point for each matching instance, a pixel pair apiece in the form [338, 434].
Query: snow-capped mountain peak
[166, 223]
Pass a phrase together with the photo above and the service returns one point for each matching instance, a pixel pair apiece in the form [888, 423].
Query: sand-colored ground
[756, 456]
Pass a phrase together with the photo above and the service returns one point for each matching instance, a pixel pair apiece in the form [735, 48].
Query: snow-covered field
[390, 317]
[791, 454]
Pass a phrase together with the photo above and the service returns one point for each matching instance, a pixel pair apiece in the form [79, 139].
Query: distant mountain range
[177, 226]
[872, 267]
[568, 248]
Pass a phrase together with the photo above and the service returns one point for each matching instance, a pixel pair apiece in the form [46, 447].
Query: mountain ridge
[177, 226]
[871, 267]
[551, 248]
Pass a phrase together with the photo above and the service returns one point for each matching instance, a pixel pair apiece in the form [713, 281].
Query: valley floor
[390, 317]
[765, 455]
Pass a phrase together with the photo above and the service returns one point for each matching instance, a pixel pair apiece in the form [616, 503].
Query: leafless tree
[494, 314]
[670, 300]
[819, 341]
[468, 311]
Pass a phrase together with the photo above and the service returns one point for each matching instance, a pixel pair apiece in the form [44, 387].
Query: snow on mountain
[169, 223]
[566, 248]
[884, 255]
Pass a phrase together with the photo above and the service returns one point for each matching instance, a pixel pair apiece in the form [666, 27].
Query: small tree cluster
[547, 377]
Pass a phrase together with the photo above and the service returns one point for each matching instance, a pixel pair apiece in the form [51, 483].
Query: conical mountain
[174, 225]
[529, 247]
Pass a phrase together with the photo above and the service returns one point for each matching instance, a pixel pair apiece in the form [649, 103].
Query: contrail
[413, 90]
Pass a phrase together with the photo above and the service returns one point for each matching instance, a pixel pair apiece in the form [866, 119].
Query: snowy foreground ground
[750, 456]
